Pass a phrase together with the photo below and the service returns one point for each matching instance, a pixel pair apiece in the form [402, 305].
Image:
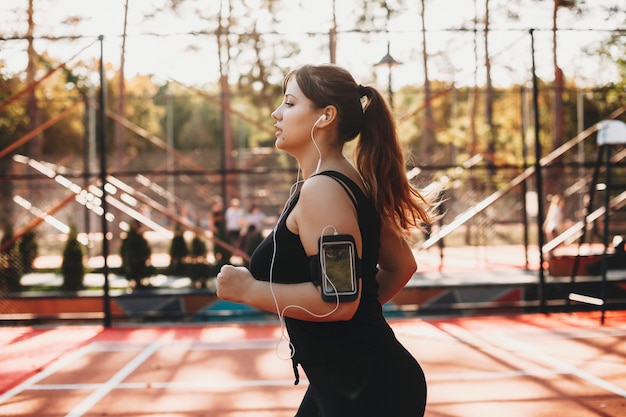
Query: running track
[504, 366]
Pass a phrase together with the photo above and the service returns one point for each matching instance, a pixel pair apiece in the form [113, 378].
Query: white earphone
[319, 161]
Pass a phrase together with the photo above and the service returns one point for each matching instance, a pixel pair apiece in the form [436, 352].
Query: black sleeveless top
[282, 258]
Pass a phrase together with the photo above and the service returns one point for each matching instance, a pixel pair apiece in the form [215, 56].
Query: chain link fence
[176, 155]
[54, 269]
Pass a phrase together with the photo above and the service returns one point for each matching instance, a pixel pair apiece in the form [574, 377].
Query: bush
[135, 253]
[72, 268]
[28, 249]
[10, 269]
[199, 269]
[198, 248]
[178, 252]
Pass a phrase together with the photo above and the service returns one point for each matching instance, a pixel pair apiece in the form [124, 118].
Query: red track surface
[529, 365]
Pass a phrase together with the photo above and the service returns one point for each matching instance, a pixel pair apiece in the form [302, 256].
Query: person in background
[353, 361]
[256, 218]
[234, 218]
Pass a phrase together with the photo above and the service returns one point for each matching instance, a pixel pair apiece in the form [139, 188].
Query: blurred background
[164, 108]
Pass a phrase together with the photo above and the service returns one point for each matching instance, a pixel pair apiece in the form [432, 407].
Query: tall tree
[491, 134]
[475, 90]
[32, 107]
[223, 52]
[428, 133]
[558, 117]
[557, 100]
[558, 114]
[332, 36]
[119, 131]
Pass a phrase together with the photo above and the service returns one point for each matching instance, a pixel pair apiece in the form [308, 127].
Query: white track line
[115, 382]
[89, 402]
[477, 376]
[557, 364]
[64, 361]
[498, 341]
[195, 345]
[186, 386]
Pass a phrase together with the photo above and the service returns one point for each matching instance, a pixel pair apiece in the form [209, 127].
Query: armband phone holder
[338, 268]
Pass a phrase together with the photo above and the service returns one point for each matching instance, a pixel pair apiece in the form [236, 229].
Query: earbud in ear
[322, 117]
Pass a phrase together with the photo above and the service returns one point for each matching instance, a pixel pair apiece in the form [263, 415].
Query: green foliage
[192, 262]
[198, 247]
[53, 97]
[13, 122]
[10, 270]
[72, 268]
[199, 273]
[28, 249]
[178, 252]
[141, 110]
[16, 259]
[136, 252]
[202, 128]
[221, 254]
[199, 269]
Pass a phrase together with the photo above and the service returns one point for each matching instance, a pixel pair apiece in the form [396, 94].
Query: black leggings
[392, 386]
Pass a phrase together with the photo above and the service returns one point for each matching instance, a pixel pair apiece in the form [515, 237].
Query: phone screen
[338, 264]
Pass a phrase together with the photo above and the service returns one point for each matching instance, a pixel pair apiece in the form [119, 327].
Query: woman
[353, 361]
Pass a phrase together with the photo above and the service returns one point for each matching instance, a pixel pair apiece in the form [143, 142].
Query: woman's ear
[330, 113]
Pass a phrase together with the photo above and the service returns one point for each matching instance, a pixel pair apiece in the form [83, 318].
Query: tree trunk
[229, 189]
[557, 107]
[333, 36]
[491, 136]
[33, 148]
[120, 142]
[474, 99]
[428, 134]
[552, 174]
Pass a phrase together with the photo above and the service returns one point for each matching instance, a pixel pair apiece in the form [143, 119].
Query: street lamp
[389, 62]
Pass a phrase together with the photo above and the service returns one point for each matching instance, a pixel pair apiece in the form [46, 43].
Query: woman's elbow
[346, 311]
[409, 267]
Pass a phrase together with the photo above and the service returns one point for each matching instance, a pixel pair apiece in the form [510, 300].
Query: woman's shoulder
[322, 192]
[319, 187]
[325, 197]
[351, 178]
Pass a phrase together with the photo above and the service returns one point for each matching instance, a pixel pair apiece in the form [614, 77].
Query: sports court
[564, 364]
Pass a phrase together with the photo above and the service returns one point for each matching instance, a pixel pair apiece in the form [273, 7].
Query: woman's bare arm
[396, 264]
[323, 208]
[300, 301]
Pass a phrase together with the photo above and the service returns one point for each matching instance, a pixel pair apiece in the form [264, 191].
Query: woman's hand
[233, 283]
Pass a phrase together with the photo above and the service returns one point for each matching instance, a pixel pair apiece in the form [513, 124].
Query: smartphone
[338, 268]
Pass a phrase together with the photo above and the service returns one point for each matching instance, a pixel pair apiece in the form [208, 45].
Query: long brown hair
[378, 154]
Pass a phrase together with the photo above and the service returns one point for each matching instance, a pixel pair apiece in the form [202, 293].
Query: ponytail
[380, 160]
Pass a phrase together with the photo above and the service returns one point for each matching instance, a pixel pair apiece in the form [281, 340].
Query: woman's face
[294, 119]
